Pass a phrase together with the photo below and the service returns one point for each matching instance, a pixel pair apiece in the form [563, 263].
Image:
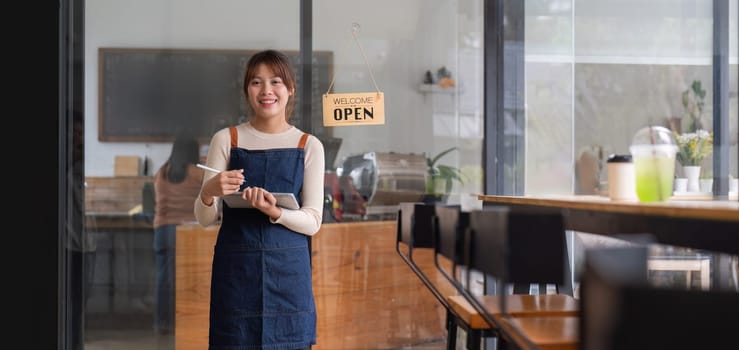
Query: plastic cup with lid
[653, 150]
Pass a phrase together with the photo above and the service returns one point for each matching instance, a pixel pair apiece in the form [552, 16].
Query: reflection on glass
[595, 72]
[598, 71]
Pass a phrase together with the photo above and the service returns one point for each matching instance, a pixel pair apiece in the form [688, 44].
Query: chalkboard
[150, 95]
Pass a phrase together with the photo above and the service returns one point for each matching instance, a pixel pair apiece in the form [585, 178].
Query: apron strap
[234, 137]
[303, 140]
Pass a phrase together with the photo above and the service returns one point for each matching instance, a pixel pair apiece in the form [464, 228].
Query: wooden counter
[695, 209]
[110, 203]
[366, 296]
[702, 224]
[121, 221]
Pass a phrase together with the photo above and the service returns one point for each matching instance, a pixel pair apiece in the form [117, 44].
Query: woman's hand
[263, 200]
[225, 182]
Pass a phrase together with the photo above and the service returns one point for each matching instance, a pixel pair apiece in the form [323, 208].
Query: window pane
[599, 70]
[399, 50]
[130, 302]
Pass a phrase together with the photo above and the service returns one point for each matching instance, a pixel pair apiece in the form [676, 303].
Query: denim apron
[261, 291]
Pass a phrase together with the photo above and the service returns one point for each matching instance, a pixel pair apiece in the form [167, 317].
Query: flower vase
[692, 173]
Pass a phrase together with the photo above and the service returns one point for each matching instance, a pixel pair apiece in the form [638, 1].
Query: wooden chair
[415, 231]
[517, 247]
[621, 310]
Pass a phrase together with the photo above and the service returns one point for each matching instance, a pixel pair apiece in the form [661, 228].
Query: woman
[261, 292]
[176, 183]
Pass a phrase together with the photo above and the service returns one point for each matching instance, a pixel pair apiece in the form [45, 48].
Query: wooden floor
[366, 296]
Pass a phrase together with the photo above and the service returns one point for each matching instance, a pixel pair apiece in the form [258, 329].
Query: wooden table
[702, 224]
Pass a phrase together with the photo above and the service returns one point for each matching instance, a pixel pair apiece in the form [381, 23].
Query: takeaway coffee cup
[653, 150]
[621, 177]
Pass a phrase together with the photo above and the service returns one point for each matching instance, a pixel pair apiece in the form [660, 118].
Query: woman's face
[268, 94]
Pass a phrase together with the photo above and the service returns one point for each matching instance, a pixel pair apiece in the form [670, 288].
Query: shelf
[436, 89]
[698, 61]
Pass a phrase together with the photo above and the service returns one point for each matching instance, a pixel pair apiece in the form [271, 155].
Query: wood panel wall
[114, 194]
[366, 296]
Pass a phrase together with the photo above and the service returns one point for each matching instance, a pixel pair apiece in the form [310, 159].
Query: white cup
[681, 184]
[706, 185]
[621, 177]
[734, 185]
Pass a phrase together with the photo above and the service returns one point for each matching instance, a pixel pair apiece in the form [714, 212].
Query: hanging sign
[363, 108]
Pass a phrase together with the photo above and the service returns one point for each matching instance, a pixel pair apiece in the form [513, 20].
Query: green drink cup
[653, 150]
[654, 176]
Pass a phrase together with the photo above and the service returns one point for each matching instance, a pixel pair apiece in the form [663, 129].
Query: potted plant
[693, 147]
[693, 99]
[440, 178]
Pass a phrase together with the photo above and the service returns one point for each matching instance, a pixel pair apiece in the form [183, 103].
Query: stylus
[201, 166]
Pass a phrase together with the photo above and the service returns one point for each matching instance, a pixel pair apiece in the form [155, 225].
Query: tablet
[285, 200]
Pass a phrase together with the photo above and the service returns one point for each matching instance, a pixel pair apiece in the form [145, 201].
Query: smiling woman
[266, 244]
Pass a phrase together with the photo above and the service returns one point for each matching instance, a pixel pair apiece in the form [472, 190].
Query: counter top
[697, 209]
[702, 224]
[118, 220]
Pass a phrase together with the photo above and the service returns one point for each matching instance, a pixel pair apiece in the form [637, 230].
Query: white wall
[401, 39]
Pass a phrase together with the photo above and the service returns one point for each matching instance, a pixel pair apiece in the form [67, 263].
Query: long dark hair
[185, 151]
[279, 63]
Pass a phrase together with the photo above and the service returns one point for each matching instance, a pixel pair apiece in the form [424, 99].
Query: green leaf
[436, 158]
[442, 173]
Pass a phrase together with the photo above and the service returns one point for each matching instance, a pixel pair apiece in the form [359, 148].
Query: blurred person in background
[176, 185]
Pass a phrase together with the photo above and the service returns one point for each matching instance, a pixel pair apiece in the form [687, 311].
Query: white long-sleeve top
[307, 219]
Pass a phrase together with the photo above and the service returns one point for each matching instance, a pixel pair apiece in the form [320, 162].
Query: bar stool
[621, 310]
[517, 247]
[416, 231]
